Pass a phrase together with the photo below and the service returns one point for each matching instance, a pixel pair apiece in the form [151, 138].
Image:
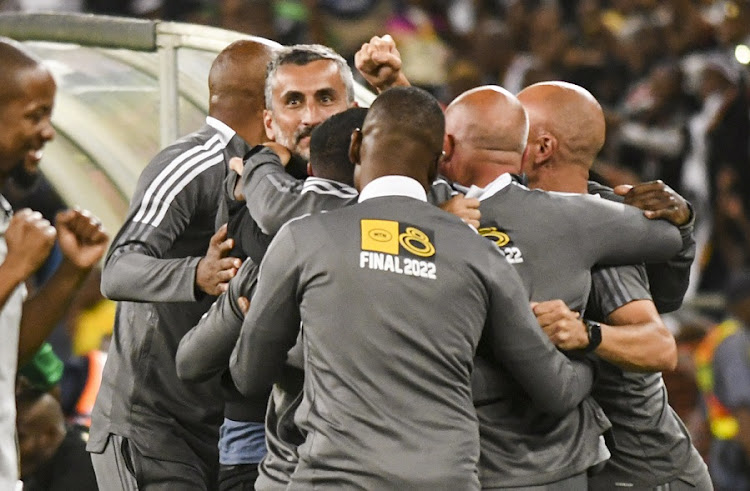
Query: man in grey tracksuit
[650, 446]
[149, 429]
[275, 197]
[387, 399]
[553, 240]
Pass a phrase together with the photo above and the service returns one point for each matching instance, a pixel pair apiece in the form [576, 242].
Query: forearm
[669, 280]
[10, 278]
[273, 197]
[42, 312]
[643, 347]
[205, 350]
[134, 276]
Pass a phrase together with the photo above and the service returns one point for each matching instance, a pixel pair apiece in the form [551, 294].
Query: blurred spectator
[718, 155]
[53, 455]
[723, 361]
[652, 136]
[416, 28]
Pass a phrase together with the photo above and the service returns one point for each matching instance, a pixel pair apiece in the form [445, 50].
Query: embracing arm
[555, 383]
[272, 324]
[204, 350]
[138, 266]
[274, 197]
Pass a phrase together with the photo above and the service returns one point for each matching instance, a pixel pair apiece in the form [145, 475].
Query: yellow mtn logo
[391, 237]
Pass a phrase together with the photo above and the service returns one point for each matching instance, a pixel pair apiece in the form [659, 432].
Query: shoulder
[195, 148]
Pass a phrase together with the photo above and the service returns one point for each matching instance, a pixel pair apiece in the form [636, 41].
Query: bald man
[387, 399]
[553, 240]
[651, 449]
[27, 96]
[149, 429]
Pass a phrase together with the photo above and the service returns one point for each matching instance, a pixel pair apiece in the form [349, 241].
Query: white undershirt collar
[225, 132]
[491, 189]
[393, 186]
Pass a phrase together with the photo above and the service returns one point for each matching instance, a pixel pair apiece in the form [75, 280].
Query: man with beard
[27, 93]
[148, 428]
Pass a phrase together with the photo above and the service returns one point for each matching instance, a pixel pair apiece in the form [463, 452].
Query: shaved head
[487, 128]
[488, 117]
[236, 84]
[402, 135]
[569, 113]
[15, 59]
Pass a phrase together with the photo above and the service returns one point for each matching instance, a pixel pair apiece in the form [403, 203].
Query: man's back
[553, 240]
[394, 405]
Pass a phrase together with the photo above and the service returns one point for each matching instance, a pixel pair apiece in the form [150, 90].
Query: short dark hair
[329, 145]
[412, 112]
[15, 58]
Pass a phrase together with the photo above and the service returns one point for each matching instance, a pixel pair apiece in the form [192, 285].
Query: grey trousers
[120, 467]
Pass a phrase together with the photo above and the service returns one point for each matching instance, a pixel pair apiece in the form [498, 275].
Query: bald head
[488, 117]
[404, 118]
[487, 129]
[236, 83]
[571, 115]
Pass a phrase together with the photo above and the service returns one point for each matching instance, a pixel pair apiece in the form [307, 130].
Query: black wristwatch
[594, 331]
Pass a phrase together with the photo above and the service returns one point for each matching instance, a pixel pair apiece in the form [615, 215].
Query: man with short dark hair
[149, 429]
[204, 351]
[27, 96]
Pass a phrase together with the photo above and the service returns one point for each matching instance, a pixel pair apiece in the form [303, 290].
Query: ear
[449, 145]
[310, 170]
[545, 146]
[355, 146]
[267, 123]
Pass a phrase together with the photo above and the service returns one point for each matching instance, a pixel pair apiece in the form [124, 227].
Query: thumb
[622, 189]
[235, 163]
[244, 304]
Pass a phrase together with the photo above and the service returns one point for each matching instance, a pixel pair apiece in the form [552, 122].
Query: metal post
[168, 91]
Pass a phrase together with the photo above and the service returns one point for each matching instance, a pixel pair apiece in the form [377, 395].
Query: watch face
[594, 330]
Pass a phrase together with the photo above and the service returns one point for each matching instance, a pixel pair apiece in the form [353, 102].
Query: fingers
[27, 217]
[219, 236]
[237, 165]
[548, 306]
[229, 263]
[471, 223]
[86, 227]
[280, 150]
[223, 248]
[659, 201]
